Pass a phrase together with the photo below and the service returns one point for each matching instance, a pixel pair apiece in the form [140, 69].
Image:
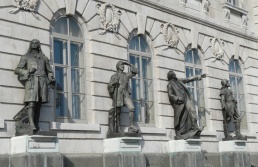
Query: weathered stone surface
[83, 160]
[187, 159]
[157, 160]
[4, 160]
[124, 159]
[236, 159]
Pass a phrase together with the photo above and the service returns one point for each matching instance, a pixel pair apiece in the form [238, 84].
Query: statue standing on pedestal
[230, 111]
[120, 92]
[185, 118]
[34, 69]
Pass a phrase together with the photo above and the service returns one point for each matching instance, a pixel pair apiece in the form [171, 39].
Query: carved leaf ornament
[170, 32]
[27, 5]
[216, 46]
[109, 18]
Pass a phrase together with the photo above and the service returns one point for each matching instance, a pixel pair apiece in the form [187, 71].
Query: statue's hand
[126, 63]
[203, 75]
[180, 100]
[32, 70]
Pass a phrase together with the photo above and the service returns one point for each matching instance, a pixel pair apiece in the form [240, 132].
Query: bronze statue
[185, 118]
[120, 92]
[230, 111]
[34, 69]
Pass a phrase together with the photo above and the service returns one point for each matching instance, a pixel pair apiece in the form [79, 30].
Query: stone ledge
[153, 130]
[234, 8]
[2, 123]
[74, 126]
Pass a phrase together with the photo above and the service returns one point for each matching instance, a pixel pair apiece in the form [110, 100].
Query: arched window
[69, 69]
[193, 67]
[142, 83]
[237, 86]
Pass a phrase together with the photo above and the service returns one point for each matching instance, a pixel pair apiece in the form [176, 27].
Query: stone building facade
[84, 39]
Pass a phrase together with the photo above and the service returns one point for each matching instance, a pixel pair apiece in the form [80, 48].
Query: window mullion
[141, 91]
[69, 80]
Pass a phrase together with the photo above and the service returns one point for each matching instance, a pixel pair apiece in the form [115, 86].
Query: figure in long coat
[185, 118]
[34, 69]
[120, 92]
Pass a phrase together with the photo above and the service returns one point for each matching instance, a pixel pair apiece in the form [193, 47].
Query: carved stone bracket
[244, 21]
[216, 46]
[109, 18]
[170, 32]
[182, 3]
[205, 6]
[26, 5]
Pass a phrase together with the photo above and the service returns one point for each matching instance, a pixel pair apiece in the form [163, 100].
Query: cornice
[196, 19]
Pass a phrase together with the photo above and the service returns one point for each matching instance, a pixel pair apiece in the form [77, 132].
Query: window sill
[73, 126]
[234, 9]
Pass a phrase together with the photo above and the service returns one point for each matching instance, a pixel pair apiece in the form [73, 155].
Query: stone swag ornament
[109, 18]
[230, 112]
[185, 117]
[120, 92]
[26, 5]
[35, 72]
[170, 34]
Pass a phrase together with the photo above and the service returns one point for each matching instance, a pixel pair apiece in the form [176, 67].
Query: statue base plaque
[189, 145]
[122, 144]
[34, 144]
[232, 146]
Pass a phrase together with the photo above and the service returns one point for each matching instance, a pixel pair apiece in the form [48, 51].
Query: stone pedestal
[190, 145]
[33, 144]
[232, 146]
[122, 144]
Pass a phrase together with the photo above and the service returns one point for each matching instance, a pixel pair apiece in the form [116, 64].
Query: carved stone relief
[216, 46]
[109, 18]
[170, 32]
[205, 6]
[244, 21]
[226, 14]
[182, 2]
[27, 5]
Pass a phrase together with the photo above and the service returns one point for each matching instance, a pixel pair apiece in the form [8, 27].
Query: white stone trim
[1, 123]
[74, 126]
[152, 130]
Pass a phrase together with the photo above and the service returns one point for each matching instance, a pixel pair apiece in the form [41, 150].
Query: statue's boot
[132, 128]
[225, 126]
[238, 134]
[31, 116]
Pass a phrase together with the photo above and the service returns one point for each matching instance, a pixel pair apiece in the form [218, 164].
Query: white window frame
[67, 79]
[196, 66]
[142, 101]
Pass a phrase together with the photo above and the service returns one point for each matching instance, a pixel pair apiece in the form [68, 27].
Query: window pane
[61, 104]
[240, 85]
[136, 89]
[231, 66]
[196, 57]
[60, 52]
[189, 73]
[244, 122]
[147, 90]
[74, 28]
[61, 26]
[200, 97]
[232, 80]
[146, 68]
[137, 112]
[202, 117]
[76, 55]
[199, 84]
[149, 112]
[78, 80]
[134, 43]
[241, 102]
[61, 75]
[189, 57]
[144, 45]
[135, 60]
[238, 68]
[78, 106]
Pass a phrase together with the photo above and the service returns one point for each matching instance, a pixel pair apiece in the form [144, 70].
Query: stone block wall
[196, 28]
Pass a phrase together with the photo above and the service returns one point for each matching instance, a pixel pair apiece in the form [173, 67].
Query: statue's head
[225, 83]
[171, 75]
[120, 66]
[35, 45]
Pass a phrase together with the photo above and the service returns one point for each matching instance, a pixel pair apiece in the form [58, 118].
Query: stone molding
[72, 126]
[170, 32]
[110, 21]
[205, 6]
